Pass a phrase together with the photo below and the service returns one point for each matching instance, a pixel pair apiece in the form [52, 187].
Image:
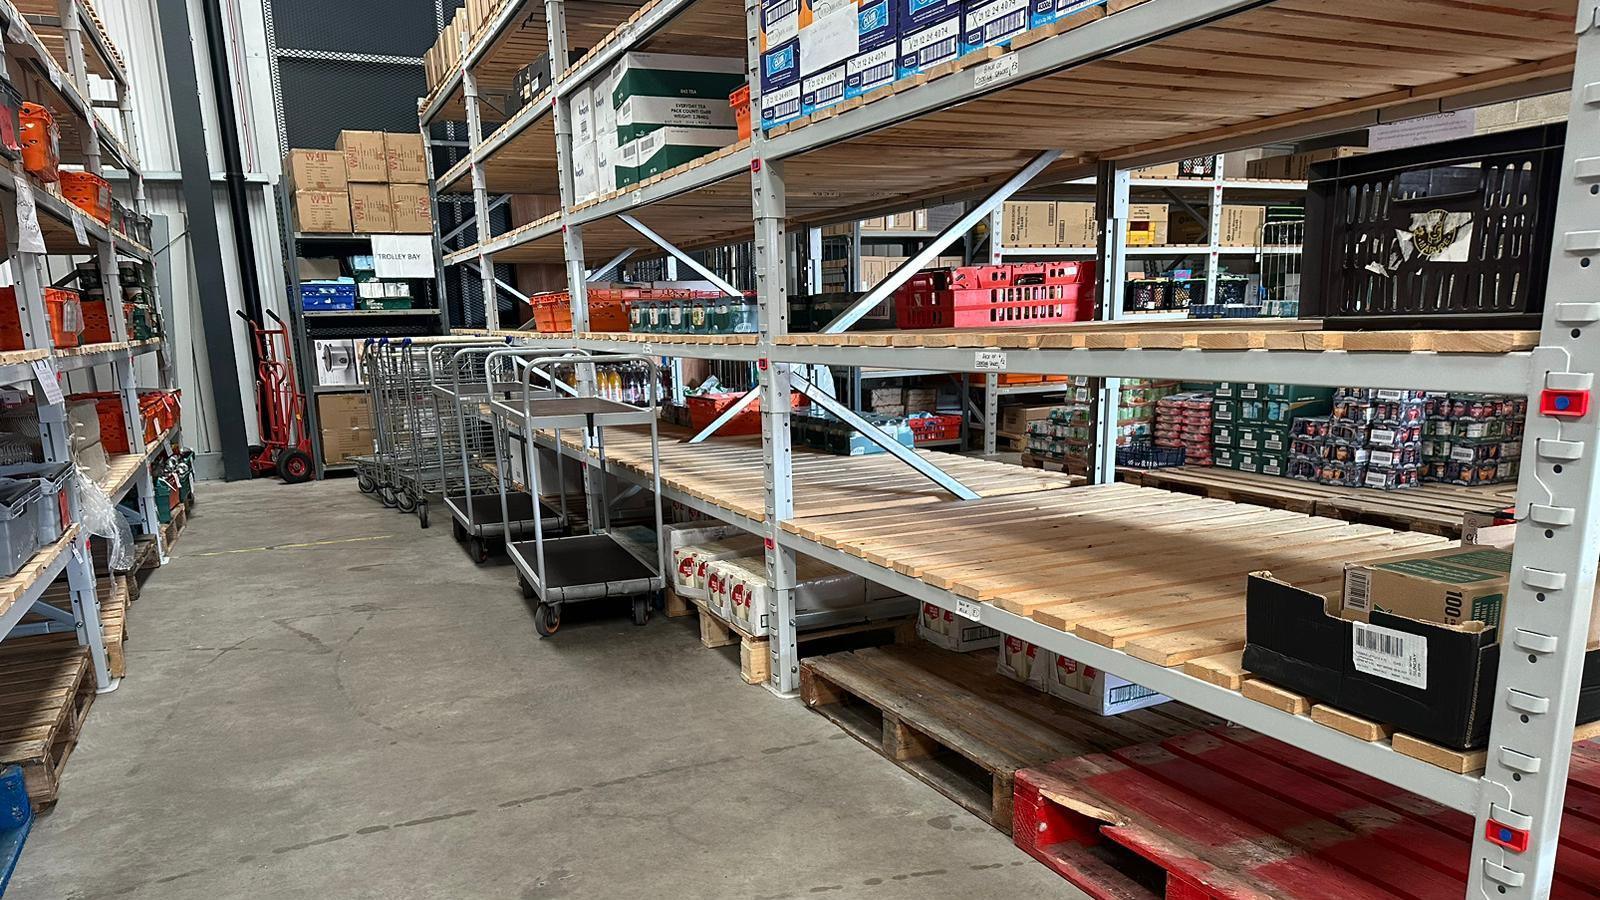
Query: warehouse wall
[133, 25]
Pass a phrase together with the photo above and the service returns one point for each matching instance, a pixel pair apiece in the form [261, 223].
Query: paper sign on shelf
[15, 33]
[969, 609]
[996, 70]
[989, 361]
[29, 238]
[78, 229]
[49, 380]
[402, 255]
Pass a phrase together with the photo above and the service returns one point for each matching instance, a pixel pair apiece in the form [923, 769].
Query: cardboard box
[690, 561]
[639, 115]
[930, 33]
[1029, 223]
[1076, 225]
[344, 411]
[338, 363]
[873, 65]
[371, 209]
[1023, 662]
[1043, 12]
[314, 170]
[1451, 586]
[338, 446]
[321, 212]
[943, 628]
[830, 34]
[1428, 679]
[585, 186]
[317, 268]
[404, 158]
[668, 148]
[820, 90]
[1096, 690]
[987, 23]
[1166, 170]
[365, 155]
[1241, 226]
[413, 210]
[1147, 224]
[1296, 166]
[1015, 419]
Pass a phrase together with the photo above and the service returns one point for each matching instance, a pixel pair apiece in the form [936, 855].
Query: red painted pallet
[1230, 815]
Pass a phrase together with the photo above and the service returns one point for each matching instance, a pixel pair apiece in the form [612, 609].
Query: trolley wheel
[295, 466]
[547, 619]
[422, 513]
[458, 530]
[388, 496]
[641, 610]
[404, 501]
[478, 549]
[365, 483]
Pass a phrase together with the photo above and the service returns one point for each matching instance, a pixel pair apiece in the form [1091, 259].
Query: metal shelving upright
[1539, 52]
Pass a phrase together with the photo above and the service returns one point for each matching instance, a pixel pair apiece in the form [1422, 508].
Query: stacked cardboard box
[1070, 680]
[900, 401]
[445, 55]
[1035, 223]
[372, 182]
[1251, 423]
[1297, 166]
[345, 421]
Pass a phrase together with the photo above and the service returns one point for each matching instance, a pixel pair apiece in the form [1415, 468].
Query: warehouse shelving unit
[50, 51]
[1150, 81]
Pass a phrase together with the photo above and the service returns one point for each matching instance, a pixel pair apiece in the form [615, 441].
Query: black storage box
[1450, 235]
[1294, 642]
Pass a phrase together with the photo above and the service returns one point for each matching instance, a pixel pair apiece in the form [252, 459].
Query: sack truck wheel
[295, 466]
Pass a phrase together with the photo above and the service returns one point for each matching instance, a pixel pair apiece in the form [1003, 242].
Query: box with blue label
[821, 90]
[328, 295]
[930, 34]
[877, 34]
[1043, 12]
[780, 61]
[987, 22]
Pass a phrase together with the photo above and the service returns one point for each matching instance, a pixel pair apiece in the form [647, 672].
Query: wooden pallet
[1431, 508]
[112, 593]
[755, 657]
[1230, 814]
[952, 722]
[45, 694]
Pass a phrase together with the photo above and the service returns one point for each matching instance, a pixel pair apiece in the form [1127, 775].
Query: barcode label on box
[1387, 653]
[989, 361]
[1357, 594]
[968, 609]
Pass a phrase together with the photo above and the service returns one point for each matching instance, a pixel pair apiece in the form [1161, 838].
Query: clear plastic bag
[98, 515]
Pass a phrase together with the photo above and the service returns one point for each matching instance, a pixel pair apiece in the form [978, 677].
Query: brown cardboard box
[364, 156]
[1147, 224]
[1241, 226]
[1028, 224]
[412, 212]
[1076, 225]
[1170, 170]
[906, 221]
[1015, 419]
[314, 170]
[371, 210]
[406, 162]
[1297, 167]
[339, 445]
[344, 411]
[322, 212]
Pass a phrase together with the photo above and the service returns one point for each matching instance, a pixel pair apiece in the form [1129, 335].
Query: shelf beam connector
[975, 214]
[876, 435]
[681, 256]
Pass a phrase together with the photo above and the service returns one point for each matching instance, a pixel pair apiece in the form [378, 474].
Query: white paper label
[994, 71]
[1357, 590]
[15, 32]
[969, 609]
[49, 380]
[55, 77]
[402, 255]
[29, 238]
[989, 361]
[78, 230]
[1390, 654]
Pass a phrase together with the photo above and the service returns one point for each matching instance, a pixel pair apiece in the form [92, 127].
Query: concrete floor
[360, 712]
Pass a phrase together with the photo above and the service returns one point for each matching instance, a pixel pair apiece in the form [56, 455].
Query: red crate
[704, 409]
[998, 296]
[933, 427]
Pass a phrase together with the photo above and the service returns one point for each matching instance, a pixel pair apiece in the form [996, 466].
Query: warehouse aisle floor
[357, 711]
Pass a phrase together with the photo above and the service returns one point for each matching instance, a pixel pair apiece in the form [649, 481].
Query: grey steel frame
[1558, 504]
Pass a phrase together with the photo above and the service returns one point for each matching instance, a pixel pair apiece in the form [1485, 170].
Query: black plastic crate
[1455, 234]
[1146, 455]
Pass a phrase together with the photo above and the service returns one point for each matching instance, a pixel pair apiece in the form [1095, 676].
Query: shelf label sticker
[78, 229]
[989, 361]
[1387, 653]
[49, 380]
[969, 609]
[994, 71]
[29, 238]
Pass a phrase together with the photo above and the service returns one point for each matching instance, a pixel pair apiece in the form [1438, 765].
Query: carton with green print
[1447, 587]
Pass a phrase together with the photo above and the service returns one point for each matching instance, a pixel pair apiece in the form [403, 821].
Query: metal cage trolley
[489, 505]
[595, 565]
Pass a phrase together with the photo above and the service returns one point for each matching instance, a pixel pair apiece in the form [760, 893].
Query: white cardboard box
[689, 562]
[728, 581]
[945, 629]
[1021, 661]
[338, 363]
[1096, 690]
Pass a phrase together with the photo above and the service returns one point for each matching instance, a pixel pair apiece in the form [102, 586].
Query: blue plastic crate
[325, 296]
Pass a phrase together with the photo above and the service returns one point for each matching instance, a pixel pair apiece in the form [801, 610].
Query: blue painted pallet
[16, 820]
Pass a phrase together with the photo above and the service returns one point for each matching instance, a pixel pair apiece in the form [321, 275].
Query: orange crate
[61, 307]
[553, 314]
[41, 143]
[740, 101]
[704, 409]
[113, 433]
[90, 193]
[1021, 379]
[96, 322]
